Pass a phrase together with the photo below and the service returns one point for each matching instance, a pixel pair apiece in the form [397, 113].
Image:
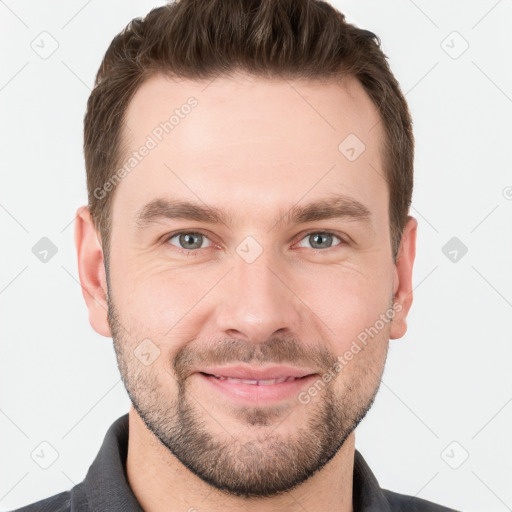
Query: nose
[257, 300]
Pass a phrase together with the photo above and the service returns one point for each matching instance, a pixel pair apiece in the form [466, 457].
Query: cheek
[159, 302]
[348, 306]
[348, 302]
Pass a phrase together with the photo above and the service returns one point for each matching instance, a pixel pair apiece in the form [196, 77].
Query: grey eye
[189, 240]
[320, 240]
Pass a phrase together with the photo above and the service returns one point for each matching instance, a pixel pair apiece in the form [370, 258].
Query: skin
[253, 148]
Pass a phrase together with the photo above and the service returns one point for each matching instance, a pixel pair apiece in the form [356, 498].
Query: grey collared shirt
[106, 489]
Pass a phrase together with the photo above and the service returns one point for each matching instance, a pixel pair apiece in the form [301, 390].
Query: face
[250, 241]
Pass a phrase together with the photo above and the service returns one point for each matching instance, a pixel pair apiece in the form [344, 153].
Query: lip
[254, 394]
[248, 372]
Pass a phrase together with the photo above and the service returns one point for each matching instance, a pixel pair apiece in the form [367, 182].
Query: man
[247, 245]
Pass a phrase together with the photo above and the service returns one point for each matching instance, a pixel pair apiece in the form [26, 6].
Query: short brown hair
[201, 39]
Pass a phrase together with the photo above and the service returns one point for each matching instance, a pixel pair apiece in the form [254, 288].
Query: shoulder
[58, 503]
[405, 503]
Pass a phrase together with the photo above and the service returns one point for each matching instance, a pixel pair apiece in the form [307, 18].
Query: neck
[155, 474]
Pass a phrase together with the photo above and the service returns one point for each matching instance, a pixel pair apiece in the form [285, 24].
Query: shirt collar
[107, 488]
[105, 484]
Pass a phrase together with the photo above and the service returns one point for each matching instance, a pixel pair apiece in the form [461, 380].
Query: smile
[255, 382]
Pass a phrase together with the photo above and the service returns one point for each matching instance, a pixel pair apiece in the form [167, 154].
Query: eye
[321, 239]
[188, 240]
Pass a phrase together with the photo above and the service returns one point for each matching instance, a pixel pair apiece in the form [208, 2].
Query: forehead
[249, 141]
[246, 107]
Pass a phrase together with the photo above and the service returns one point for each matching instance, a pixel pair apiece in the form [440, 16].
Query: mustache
[277, 350]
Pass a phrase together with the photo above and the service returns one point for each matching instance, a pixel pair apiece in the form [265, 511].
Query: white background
[447, 380]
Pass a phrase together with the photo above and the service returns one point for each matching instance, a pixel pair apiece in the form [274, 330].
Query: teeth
[255, 382]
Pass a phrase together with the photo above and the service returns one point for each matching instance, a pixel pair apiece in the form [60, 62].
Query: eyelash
[196, 252]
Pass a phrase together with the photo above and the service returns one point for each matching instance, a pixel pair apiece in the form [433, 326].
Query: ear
[91, 270]
[402, 287]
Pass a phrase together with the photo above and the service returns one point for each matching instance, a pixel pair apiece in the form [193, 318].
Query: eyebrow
[337, 206]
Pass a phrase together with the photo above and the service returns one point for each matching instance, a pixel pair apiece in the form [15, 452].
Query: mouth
[255, 382]
[250, 391]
